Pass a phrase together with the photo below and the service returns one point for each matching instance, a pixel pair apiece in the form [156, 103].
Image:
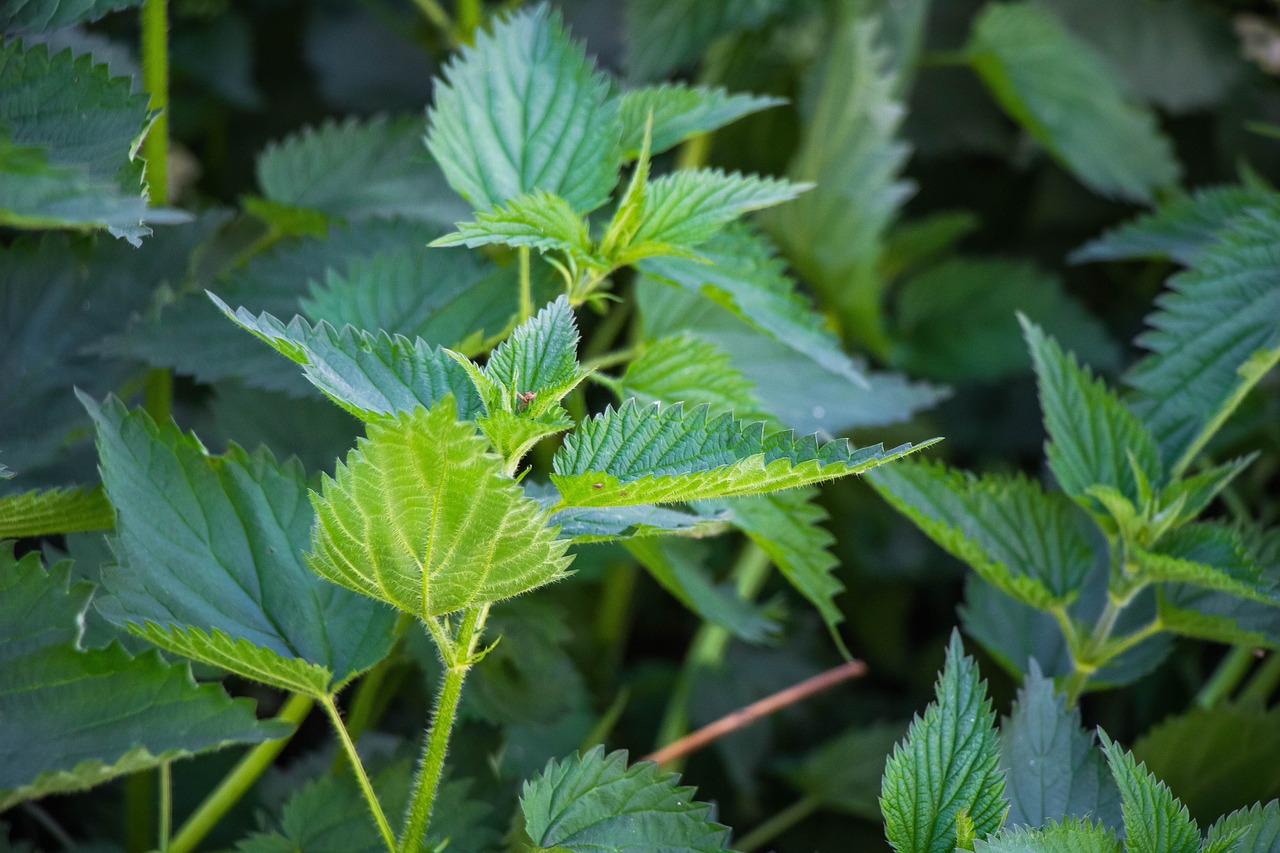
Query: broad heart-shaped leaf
[1154, 821]
[369, 376]
[539, 220]
[679, 566]
[595, 802]
[686, 208]
[1179, 230]
[834, 235]
[1211, 556]
[741, 272]
[1094, 439]
[654, 454]
[45, 15]
[41, 513]
[359, 169]
[55, 736]
[215, 544]
[664, 35]
[1078, 112]
[1258, 829]
[1026, 542]
[1052, 769]
[947, 765]
[67, 148]
[1213, 336]
[1215, 759]
[420, 516]
[523, 110]
[678, 112]
[1071, 836]
[956, 321]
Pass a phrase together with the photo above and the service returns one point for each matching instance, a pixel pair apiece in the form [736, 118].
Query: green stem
[371, 694]
[706, 651]
[435, 13]
[157, 394]
[362, 777]
[468, 20]
[607, 332]
[526, 285]
[1264, 681]
[234, 785]
[140, 811]
[1087, 663]
[166, 806]
[778, 824]
[1230, 672]
[458, 656]
[155, 79]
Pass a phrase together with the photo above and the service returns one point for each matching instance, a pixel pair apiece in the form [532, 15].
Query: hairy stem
[778, 824]
[526, 286]
[366, 787]
[236, 783]
[1226, 678]
[707, 649]
[458, 656]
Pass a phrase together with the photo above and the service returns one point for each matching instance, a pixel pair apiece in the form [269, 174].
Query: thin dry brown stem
[744, 717]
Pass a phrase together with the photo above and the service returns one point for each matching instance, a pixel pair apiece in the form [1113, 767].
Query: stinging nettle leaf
[1256, 829]
[215, 544]
[1207, 555]
[1154, 821]
[946, 766]
[41, 513]
[539, 220]
[654, 454]
[1070, 836]
[679, 111]
[420, 516]
[684, 369]
[594, 802]
[46, 15]
[55, 736]
[665, 34]
[540, 358]
[1066, 98]
[523, 110]
[369, 376]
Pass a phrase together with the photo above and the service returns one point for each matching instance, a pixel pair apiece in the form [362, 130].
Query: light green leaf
[1064, 95]
[55, 736]
[1215, 759]
[681, 111]
[788, 527]
[1180, 55]
[1258, 828]
[512, 435]
[215, 543]
[357, 169]
[834, 235]
[957, 321]
[946, 765]
[684, 369]
[1207, 555]
[539, 220]
[1052, 769]
[45, 15]
[523, 110]
[1026, 542]
[679, 566]
[686, 208]
[595, 802]
[70, 129]
[1094, 439]
[41, 513]
[1154, 821]
[540, 358]
[742, 273]
[651, 454]
[1212, 337]
[1072, 836]
[240, 656]
[369, 376]
[420, 516]
[664, 35]
[1180, 229]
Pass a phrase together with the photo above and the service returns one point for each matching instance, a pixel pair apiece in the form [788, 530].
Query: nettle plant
[434, 518]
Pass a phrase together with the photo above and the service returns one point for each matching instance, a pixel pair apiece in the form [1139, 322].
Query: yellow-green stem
[236, 783]
[166, 806]
[706, 651]
[1230, 672]
[468, 20]
[458, 656]
[155, 79]
[526, 285]
[366, 787]
[1263, 682]
[1086, 667]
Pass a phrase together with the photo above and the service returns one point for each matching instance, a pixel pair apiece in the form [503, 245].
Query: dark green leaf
[595, 802]
[1208, 555]
[680, 111]
[683, 369]
[523, 110]
[845, 773]
[44, 15]
[666, 34]
[1259, 829]
[1154, 821]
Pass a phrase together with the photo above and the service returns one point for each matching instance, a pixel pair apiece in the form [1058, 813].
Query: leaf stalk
[366, 787]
